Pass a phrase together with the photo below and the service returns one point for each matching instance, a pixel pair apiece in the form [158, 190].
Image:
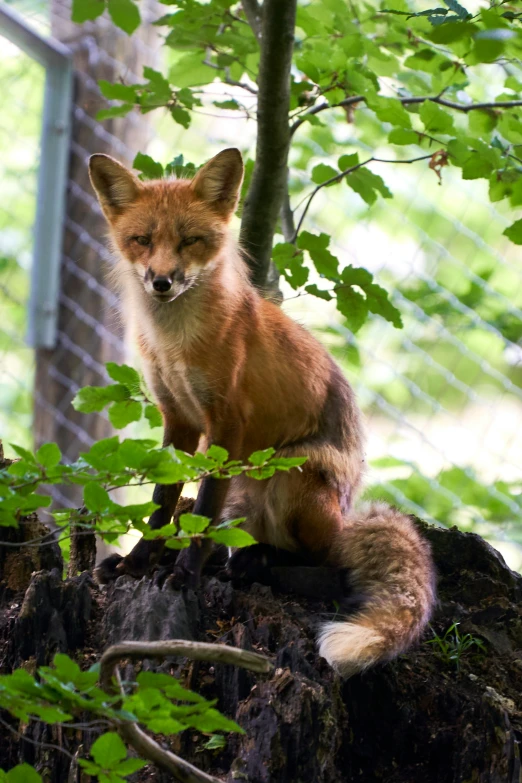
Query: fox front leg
[190, 561]
[147, 554]
[210, 503]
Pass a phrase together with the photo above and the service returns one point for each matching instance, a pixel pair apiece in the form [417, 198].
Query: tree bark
[269, 179]
[417, 719]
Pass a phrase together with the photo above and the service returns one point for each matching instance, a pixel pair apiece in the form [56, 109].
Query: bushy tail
[391, 567]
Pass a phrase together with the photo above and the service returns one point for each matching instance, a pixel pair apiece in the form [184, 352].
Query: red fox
[226, 364]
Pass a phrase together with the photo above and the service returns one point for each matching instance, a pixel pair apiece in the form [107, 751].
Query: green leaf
[118, 92]
[435, 119]
[459, 10]
[325, 263]
[234, 537]
[49, 455]
[86, 10]
[125, 15]
[177, 543]
[95, 497]
[181, 116]
[216, 742]
[353, 306]
[193, 523]
[229, 104]
[114, 111]
[153, 415]
[260, 457]
[158, 85]
[217, 453]
[482, 122]
[129, 766]
[289, 262]
[453, 30]
[23, 773]
[367, 185]
[127, 376]
[389, 110]
[24, 453]
[95, 398]
[180, 169]
[315, 291]
[109, 750]
[149, 167]
[123, 413]
[403, 136]
[322, 173]
[348, 161]
[514, 232]
[378, 303]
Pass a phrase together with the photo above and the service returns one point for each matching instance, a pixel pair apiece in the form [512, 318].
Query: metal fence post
[52, 173]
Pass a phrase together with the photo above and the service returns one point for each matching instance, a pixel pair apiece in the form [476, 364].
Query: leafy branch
[156, 701]
[408, 101]
[197, 651]
[338, 177]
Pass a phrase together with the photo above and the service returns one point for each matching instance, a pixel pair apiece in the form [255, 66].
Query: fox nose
[161, 284]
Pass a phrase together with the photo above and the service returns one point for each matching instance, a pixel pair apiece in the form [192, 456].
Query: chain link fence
[442, 397]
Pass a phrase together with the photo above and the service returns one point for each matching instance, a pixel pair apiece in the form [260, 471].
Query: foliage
[458, 496]
[62, 693]
[399, 76]
[451, 647]
[112, 463]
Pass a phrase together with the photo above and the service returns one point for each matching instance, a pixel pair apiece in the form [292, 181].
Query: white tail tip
[349, 648]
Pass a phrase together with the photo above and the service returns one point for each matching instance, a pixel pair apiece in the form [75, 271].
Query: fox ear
[115, 186]
[219, 180]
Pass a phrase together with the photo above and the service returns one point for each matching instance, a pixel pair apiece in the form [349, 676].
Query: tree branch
[267, 188]
[287, 215]
[341, 175]
[253, 16]
[465, 107]
[197, 651]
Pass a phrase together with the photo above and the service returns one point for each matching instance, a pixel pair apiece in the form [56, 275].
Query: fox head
[170, 231]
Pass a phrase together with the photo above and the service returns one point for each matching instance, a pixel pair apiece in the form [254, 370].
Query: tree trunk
[89, 332]
[417, 719]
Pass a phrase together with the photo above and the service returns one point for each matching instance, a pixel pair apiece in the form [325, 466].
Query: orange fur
[226, 364]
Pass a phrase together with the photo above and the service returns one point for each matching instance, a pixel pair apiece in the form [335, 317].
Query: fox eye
[189, 241]
[142, 240]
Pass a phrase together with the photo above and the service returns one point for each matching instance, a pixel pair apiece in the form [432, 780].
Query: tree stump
[415, 720]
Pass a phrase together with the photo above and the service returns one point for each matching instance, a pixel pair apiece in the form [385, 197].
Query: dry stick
[345, 173]
[196, 651]
[465, 107]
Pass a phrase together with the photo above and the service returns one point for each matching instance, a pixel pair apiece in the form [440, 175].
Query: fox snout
[162, 284]
[166, 286]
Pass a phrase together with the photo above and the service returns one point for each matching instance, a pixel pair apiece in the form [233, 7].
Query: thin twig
[343, 174]
[35, 742]
[287, 215]
[198, 651]
[465, 107]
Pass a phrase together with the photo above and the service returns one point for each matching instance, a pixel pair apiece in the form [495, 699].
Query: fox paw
[106, 571]
[252, 563]
[141, 559]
